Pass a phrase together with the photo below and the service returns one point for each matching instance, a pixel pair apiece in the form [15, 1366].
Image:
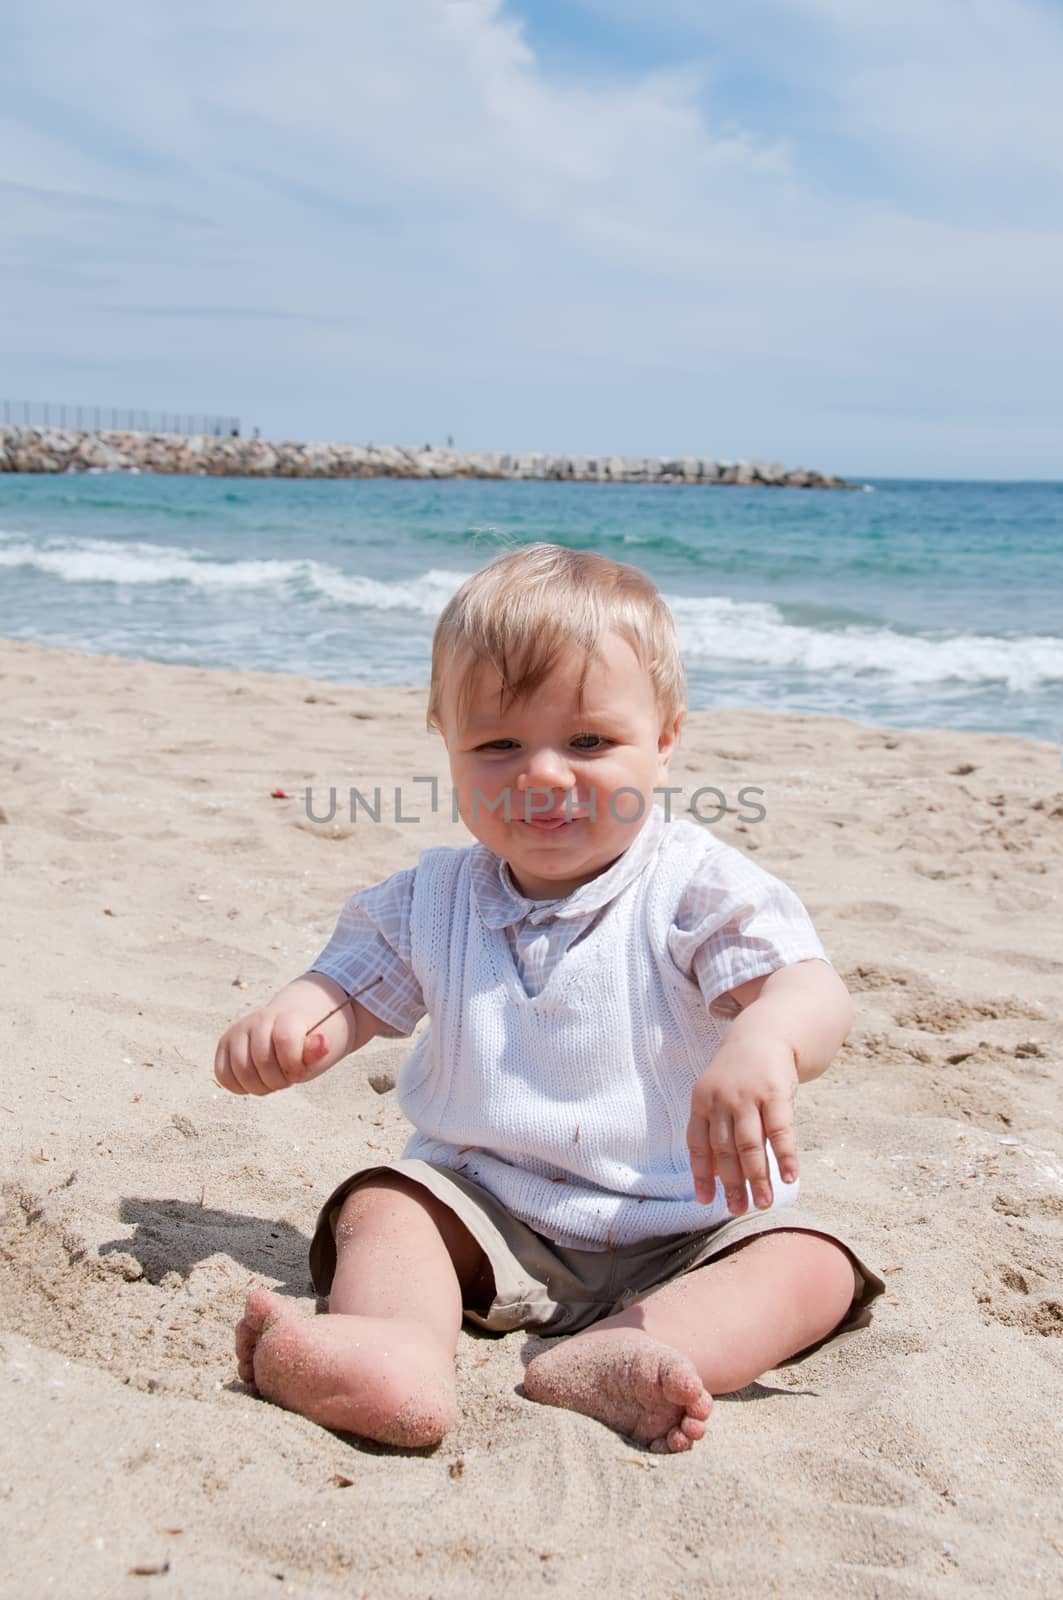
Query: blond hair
[523, 611]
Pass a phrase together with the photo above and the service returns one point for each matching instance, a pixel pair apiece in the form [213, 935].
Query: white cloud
[959, 86]
[428, 231]
[969, 86]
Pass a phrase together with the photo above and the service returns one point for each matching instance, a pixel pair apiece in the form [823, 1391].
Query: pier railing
[101, 419]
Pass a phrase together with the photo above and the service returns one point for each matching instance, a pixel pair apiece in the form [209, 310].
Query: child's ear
[668, 739]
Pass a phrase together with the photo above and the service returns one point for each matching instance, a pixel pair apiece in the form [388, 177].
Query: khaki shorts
[555, 1290]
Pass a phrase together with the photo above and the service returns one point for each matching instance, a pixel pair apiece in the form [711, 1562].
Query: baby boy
[621, 1010]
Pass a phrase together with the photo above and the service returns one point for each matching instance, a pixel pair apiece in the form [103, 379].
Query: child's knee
[380, 1197]
[822, 1267]
[391, 1209]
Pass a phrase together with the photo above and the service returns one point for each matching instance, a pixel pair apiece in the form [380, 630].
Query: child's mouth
[549, 824]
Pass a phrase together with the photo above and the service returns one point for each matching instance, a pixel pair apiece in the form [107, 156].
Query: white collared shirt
[559, 1064]
[765, 927]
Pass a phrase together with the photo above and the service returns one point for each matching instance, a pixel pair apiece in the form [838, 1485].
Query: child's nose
[546, 768]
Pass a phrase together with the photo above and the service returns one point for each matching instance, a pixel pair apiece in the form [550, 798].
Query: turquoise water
[915, 604]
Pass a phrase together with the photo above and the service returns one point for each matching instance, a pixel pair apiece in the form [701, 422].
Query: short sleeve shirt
[735, 922]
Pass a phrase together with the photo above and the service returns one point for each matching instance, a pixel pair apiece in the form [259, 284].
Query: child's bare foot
[382, 1378]
[628, 1381]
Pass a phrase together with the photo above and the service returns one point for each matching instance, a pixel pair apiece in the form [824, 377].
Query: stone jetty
[25, 449]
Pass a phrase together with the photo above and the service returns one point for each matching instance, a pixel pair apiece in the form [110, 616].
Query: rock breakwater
[203, 455]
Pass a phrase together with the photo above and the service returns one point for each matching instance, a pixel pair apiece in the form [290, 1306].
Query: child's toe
[260, 1309]
[680, 1383]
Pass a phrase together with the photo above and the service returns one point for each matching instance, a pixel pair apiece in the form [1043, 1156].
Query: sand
[153, 890]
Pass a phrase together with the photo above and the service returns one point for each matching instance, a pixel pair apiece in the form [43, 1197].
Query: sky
[823, 232]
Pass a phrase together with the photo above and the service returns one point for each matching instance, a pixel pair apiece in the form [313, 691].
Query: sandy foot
[629, 1382]
[382, 1378]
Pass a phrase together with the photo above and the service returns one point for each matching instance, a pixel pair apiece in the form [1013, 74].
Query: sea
[909, 604]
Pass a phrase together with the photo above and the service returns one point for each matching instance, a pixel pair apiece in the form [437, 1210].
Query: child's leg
[651, 1370]
[381, 1364]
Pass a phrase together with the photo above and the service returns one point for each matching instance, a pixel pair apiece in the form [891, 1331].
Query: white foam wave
[427, 594]
[131, 563]
[713, 629]
[736, 633]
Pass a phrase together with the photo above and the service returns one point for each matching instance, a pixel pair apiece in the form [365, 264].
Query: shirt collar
[501, 904]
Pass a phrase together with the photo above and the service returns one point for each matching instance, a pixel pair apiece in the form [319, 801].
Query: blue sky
[818, 231]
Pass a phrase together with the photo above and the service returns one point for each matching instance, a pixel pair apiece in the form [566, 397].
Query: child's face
[557, 762]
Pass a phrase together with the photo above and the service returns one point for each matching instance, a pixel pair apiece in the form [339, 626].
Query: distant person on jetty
[622, 1008]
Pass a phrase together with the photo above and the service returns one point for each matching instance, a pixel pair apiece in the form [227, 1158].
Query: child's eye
[497, 744]
[596, 741]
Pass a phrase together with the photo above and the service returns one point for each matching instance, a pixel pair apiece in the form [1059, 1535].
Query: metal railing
[102, 419]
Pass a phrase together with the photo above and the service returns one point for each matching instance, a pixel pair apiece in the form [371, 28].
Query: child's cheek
[623, 806]
[480, 797]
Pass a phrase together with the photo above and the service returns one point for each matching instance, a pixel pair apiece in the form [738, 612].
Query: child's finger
[314, 1050]
[701, 1162]
[753, 1156]
[778, 1118]
[244, 1075]
[288, 1049]
[221, 1063]
[223, 1071]
[727, 1163]
[255, 1080]
[269, 1073]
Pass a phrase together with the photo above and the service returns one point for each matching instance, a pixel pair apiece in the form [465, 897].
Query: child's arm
[269, 1049]
[368, 951]
[791, 1025]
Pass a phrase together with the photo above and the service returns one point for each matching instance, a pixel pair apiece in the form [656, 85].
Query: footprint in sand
[946, 1015]
[1017, 1307]
[864, 977]
[869, 911]
[1033, 1207]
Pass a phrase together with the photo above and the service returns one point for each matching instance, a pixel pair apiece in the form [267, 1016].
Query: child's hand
[743, 1099]
[268, 1050]
[305, 1030]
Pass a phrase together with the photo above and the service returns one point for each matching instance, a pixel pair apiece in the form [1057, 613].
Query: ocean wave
[735, 633]
[714, 631]
[137, 564]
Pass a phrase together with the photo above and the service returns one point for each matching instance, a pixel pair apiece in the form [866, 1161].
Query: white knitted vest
[571, 1107]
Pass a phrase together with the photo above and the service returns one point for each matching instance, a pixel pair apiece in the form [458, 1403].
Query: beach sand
[152, 891]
